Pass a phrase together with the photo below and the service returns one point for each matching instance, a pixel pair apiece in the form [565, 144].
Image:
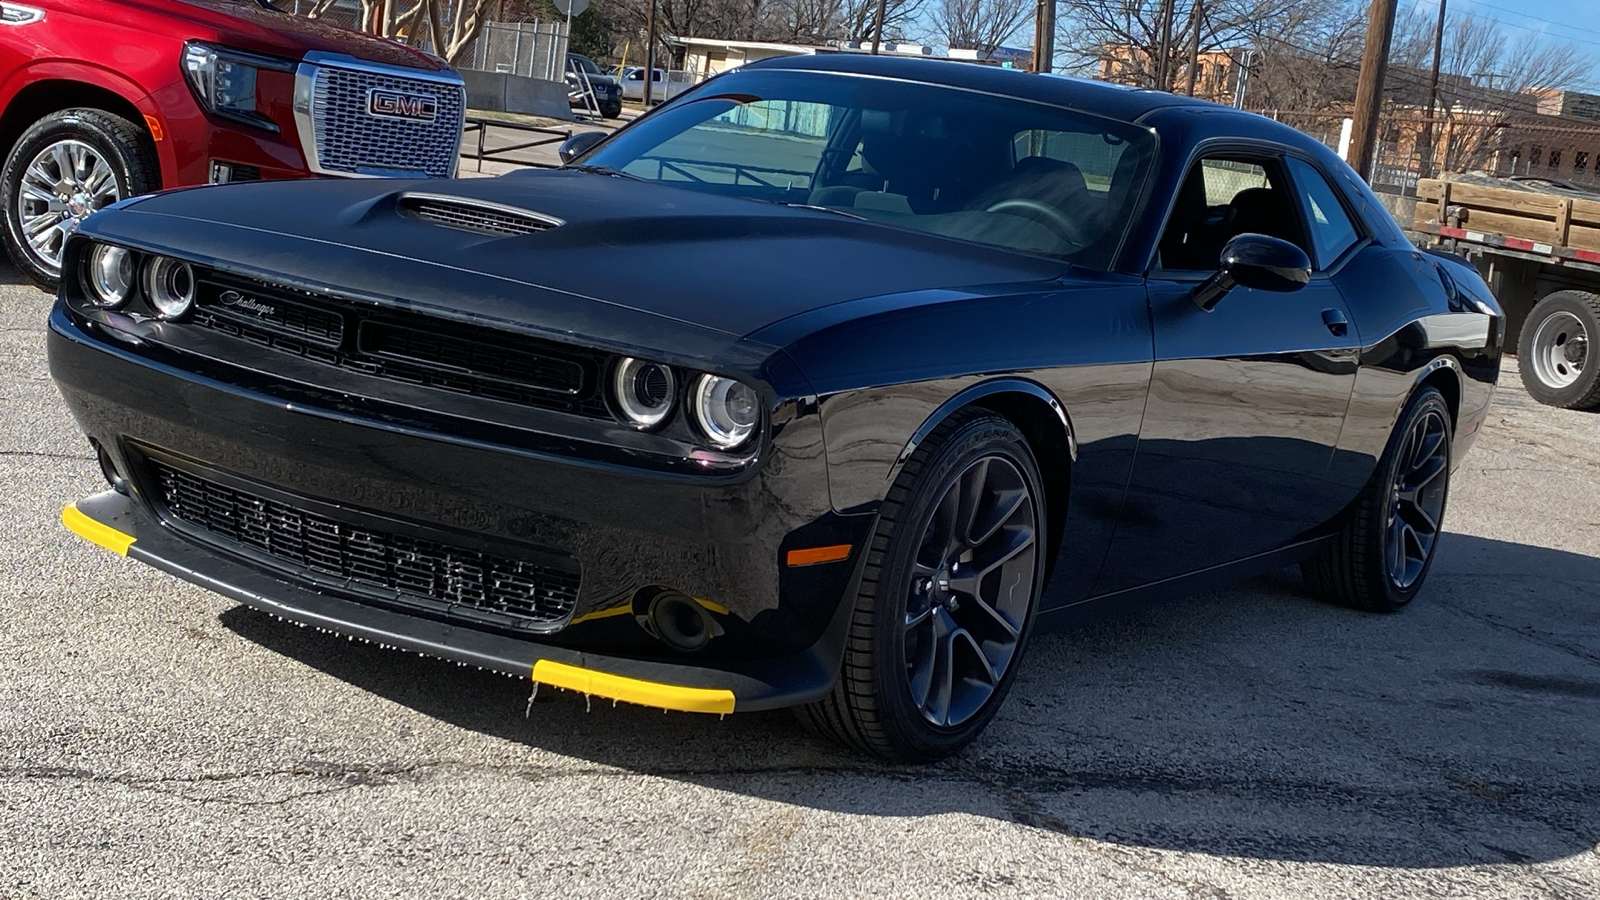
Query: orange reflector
[813, 555]
[154, 126]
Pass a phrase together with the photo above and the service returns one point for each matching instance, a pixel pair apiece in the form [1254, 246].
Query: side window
[1223, 197]
[1332, 232]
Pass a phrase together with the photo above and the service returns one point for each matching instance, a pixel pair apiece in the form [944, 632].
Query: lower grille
[453, 581]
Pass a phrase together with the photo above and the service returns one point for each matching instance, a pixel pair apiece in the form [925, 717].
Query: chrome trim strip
[15, 14]
[305, 78]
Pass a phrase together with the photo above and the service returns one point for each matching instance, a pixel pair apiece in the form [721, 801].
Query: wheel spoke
[1011, 630]
[1005, 506]
[970, 581]
[36, 226]
[101, 183]
[60, 154]
[35, 192]
[944, 671]
[984, 667]
[970, 488]
[1427, 445]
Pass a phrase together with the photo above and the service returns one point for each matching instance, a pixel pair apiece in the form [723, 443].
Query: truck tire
[63, 168]
[1556, 351]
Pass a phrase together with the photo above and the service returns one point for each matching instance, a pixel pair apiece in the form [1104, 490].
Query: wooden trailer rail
[1543, 224]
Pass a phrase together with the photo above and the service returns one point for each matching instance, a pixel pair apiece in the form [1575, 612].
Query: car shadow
[1251, 722]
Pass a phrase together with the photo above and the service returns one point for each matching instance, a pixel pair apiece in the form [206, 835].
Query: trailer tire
[1556, 354]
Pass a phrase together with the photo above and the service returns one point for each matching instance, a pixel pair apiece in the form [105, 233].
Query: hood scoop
[475, 215]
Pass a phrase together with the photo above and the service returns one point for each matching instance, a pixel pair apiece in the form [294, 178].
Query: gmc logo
[396, 105]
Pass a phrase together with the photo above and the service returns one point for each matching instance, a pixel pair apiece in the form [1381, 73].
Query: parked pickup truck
[1537, 244]
[105, 99]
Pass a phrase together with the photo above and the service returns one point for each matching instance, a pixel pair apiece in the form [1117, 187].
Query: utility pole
[650, 55]
[1369, 88]
[1425, 137]
[877, 33]
[1194, 45]
[1162, 73]
[1044, 36]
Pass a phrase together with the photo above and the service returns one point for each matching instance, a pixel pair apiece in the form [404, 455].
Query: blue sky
[1574, 21]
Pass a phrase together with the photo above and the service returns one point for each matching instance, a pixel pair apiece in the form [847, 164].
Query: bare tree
[982, 25]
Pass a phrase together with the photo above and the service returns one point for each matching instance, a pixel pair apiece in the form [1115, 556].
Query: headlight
[109, 276]
[727, 411]
[169, 287]
[225, 80]
[644, 392]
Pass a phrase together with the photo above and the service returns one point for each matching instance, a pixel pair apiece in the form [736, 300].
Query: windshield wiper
[604, 170]
[826, 209]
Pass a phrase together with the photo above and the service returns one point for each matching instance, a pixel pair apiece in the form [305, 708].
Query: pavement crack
[43, 455]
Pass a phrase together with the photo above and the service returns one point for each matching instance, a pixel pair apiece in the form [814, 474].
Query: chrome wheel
[971, 590]
[1560, 349]
[66, 182]
[1416, 498]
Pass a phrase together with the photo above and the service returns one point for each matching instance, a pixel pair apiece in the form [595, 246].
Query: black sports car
[825, 385]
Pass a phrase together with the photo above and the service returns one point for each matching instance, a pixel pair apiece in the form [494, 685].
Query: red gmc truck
[106, 99]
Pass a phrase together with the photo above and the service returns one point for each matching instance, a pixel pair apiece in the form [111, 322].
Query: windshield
[585, 63]
[971, 166]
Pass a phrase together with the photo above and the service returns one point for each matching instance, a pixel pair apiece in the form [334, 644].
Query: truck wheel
[64, 167]
[947, 599]
[611, 110]
[1555, 352]
[1382, 555]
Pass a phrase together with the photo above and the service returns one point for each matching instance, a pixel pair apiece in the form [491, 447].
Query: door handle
[1336, 322]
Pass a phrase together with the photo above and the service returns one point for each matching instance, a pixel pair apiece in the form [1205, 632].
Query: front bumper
[720, 541]
[114, 521]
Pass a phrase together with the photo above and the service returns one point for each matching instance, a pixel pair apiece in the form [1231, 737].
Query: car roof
[1115, 100]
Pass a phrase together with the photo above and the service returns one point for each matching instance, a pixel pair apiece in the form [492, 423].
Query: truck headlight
[109, 274]
[727, 411]
[224, 80]
[644, 392]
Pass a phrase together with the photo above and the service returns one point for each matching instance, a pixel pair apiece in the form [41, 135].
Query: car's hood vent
[475, 215]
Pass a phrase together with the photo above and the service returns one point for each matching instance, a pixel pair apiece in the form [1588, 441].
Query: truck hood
[661, 253]
[249, 26]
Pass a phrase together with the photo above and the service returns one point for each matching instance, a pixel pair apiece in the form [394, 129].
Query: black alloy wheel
[948, 596]
[1382, 555]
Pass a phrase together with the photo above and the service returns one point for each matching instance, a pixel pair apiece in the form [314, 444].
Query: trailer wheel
[1556, 352]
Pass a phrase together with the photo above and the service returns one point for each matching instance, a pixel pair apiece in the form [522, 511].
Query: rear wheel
[948, 597]
[65, 167]
[1556, 353]
[1383, 554]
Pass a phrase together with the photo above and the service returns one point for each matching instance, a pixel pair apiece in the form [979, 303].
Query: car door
[1246, 401]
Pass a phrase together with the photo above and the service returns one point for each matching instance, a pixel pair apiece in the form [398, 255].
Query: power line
[1516, 12]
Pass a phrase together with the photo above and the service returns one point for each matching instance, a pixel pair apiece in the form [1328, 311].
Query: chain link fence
[534, 49]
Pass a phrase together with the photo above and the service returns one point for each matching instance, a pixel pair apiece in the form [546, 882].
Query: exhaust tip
[680, 622]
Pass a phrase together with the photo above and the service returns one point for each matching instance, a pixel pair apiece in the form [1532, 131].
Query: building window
[1580, 160]
[1535, 157]
[1555, 159]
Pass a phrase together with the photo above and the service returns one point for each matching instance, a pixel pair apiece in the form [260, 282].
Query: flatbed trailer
[1539, 251]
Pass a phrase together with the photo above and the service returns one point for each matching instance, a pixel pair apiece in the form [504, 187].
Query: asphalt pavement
[157, 740]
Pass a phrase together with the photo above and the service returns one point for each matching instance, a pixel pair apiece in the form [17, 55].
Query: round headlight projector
[169, 287]
[727, 411]
[645, 392]
[110, 276]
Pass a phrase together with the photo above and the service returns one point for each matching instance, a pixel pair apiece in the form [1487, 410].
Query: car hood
[248, 26]
[721, 264]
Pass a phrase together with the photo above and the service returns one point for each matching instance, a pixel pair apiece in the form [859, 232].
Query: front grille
[453, 581]
[483, 219]
[351, 140]
[405, 347]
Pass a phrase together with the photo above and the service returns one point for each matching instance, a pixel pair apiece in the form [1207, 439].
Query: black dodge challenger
[826, 385]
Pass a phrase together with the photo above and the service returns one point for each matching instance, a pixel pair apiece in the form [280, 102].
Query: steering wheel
[1054, 217]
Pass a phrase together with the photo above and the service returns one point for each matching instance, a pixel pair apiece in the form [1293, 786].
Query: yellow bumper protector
[95, 532]
[633, 690]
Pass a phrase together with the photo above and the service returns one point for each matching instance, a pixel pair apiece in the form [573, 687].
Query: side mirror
[579, 144]
[1255, 261]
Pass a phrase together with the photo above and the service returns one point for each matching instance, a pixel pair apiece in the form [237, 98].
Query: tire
[1363, 569]
[913, 604]
[1556, 352]
[83, 135]
[611, 110]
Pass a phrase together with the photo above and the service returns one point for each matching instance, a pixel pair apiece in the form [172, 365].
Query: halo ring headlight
[169, 287]
[645, 392]
[110, 275]
[726, 410]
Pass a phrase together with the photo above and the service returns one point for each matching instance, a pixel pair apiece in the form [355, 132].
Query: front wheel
[66, 166]
[1555, 353]
[1387, 544]
[947, 599]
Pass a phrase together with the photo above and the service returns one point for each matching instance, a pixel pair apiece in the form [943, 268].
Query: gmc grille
[341, 135]
[453, 582]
